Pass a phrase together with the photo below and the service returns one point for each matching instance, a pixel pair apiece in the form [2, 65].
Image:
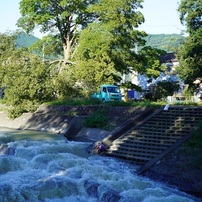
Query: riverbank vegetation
[196, 139]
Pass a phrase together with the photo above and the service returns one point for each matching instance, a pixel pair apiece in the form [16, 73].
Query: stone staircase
[157, 135]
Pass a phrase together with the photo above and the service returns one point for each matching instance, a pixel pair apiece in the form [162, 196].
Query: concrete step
[151, 139]
[137, 149]
[139, 159]
[159, 136]
[149, 142]
[154, 140]
[134, 153]
[156, 130]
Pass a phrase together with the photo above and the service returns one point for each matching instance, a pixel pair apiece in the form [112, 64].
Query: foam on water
[54, 170]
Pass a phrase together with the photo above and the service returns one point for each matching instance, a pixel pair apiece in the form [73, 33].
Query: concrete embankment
[69, 126]
[35, 121]
[68, 120]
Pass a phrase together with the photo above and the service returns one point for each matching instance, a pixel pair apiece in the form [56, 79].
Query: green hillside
[166, 42]
[25, 40]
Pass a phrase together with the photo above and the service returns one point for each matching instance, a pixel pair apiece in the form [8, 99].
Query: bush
[28, 84]
[26, 106]
[97, 120]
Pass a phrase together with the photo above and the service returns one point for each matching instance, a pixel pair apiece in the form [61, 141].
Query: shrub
[97, 120]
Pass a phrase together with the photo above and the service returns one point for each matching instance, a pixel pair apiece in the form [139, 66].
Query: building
[148, 84]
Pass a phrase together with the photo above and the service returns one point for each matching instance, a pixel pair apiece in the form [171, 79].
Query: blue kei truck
[108, 93]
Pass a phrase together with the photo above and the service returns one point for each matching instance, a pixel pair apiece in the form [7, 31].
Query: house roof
[168, 57]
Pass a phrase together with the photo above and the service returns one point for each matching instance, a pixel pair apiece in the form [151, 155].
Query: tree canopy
[190, 58]
[106, 47]
[190, 54]
[25, 78]
[64, 18]
[98, 37]
[191, 14]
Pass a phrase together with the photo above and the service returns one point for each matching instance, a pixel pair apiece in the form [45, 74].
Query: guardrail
[175, 99]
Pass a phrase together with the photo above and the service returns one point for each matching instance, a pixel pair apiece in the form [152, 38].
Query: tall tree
[106, 47]
[121, 18]
[64, 17]
[190, 53]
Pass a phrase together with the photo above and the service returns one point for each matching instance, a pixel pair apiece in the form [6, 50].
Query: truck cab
[108, 93]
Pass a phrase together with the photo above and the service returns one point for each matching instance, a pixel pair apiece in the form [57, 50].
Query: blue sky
[161, 16]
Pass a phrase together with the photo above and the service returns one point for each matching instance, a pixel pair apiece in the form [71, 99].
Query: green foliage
[26, 78]
[186, 91]
[162, 90]
[97, 120]
[7, 45]
[187, 102]
[63, 17]
[121, 23]
[190, 59]
[196, 139]
[167, 88]
[75, 102]
[65, 84]
[150, 64]
[190, 14]
[94, 65]
[105, 46]
[190, 54]
[31, 79]
[25, 106]
[85, 102]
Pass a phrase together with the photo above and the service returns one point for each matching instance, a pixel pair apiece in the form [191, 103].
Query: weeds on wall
[196, 139]
[97, 120]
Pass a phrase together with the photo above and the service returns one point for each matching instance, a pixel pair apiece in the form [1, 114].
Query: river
[42, 167]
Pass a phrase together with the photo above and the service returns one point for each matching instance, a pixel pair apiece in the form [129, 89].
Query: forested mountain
[24, 40]
[166, 42]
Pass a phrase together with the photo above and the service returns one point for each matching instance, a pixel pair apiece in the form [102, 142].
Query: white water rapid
[40, 167]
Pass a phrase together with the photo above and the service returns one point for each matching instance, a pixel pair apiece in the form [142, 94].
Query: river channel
[42, 167]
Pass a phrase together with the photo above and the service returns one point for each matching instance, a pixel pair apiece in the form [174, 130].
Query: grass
[87, 102]
[74, 102]
[196, 140]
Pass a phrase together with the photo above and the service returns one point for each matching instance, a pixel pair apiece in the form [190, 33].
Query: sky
[161, 17]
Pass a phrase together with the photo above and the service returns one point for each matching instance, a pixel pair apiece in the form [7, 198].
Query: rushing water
[45, 167]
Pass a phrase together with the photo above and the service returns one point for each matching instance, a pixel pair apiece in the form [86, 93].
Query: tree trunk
[67, 54]
[67, 51]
